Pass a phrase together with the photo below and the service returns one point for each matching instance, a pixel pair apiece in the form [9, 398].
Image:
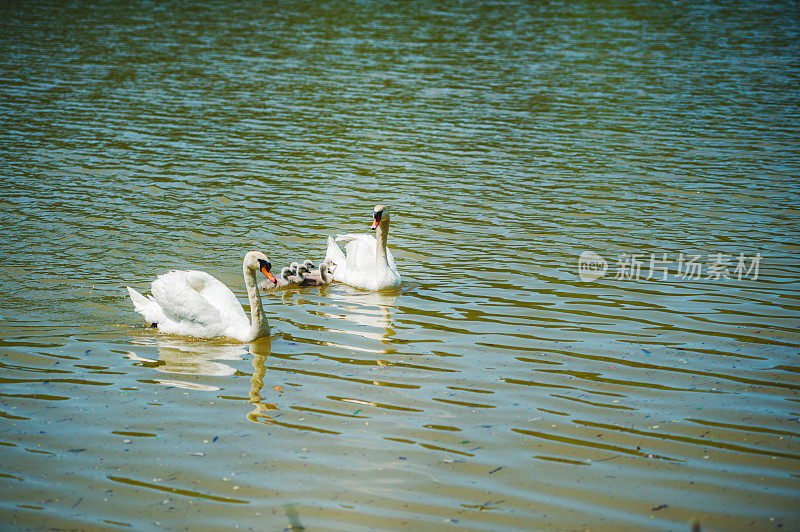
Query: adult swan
[193, 303]
[367, 264]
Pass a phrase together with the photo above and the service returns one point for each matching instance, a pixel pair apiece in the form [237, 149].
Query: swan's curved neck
[259, 327]
[381, 236]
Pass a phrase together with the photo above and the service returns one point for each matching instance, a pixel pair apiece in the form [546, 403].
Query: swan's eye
[264, 265]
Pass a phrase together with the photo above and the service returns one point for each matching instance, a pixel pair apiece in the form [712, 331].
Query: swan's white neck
[381, 236]
[259, 327]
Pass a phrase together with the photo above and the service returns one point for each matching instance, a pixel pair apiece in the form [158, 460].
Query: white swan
[193, 303]
[368, 264]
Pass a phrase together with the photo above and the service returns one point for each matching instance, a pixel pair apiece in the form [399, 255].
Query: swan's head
[293, 266]
[257, 261]
[309, 264]
[286, 272]
[381, 214]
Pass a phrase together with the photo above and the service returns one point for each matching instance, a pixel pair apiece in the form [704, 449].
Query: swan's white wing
[360, 253]
[333, 253]
[349, 236]
[187, 312]
[335, 256]
[233, 320]
[390, 260]
[218, 295]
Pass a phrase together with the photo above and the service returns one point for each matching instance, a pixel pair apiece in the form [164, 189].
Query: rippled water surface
[496, 390]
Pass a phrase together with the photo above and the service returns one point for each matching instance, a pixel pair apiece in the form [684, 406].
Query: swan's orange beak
[375, 223]
[268, 273]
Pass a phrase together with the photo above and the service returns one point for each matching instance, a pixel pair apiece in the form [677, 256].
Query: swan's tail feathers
[146, 306]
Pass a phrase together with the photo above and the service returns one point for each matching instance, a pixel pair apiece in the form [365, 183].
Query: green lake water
[497, 389]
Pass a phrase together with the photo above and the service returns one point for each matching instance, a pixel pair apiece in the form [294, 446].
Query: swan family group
[194, 303]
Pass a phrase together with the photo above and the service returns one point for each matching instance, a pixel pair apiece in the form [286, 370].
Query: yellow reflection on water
[260, 350]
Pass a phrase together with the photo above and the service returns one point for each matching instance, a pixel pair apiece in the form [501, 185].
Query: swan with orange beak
[194, 303]
[366, 263]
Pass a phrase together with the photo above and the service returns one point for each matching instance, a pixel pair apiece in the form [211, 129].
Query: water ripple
[495, 390]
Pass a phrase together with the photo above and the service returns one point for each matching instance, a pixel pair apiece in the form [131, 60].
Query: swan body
[366, 262]
[194, 303]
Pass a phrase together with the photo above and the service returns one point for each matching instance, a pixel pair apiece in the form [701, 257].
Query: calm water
[496, 390]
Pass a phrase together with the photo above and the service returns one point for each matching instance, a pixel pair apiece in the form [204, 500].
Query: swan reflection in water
[183, 356]
[263, 412]
[360, 313]
[355, 320]
[260, 351]
[186, 356]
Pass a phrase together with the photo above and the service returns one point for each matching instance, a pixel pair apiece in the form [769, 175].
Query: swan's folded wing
[220, 296]
[371, 243]
[349, 236]
[334, 253]
[361, 253]
[183, 304]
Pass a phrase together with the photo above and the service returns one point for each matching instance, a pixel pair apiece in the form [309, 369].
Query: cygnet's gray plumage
[282, 281]
[321, 276]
